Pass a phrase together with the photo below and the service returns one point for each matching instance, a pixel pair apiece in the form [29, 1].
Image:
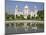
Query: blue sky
[10, 5]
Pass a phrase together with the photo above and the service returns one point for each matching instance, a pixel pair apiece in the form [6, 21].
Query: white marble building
[26, 11]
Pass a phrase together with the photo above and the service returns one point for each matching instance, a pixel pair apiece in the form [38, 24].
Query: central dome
[26, 6]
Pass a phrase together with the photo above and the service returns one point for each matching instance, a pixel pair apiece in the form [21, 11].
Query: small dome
[26, 6]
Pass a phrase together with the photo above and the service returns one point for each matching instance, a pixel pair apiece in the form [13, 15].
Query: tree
[17, 17]
[28, 17]
[21, 16]
[41, 14]
[38, 18]
[33, 17]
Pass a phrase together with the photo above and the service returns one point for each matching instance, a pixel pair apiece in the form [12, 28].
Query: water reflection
[20, 28]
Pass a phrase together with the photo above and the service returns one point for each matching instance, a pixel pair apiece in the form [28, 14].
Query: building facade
[26, 11]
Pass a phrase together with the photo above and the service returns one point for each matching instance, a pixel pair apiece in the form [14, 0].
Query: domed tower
[16, 10]
[35, 11]
[26, 11]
